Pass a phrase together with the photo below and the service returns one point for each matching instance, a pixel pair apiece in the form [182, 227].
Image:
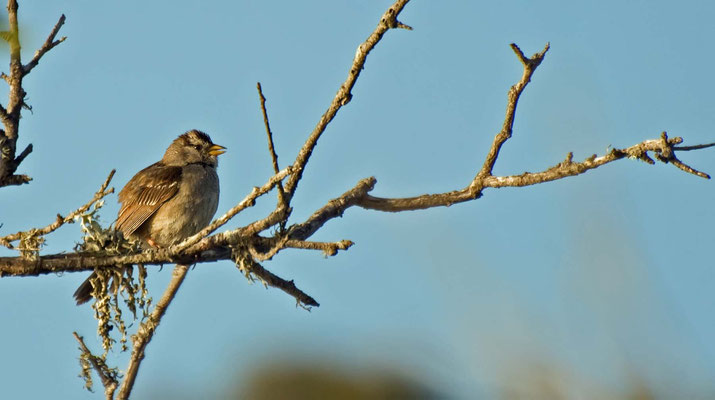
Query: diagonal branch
[564, 169]
[251, 266]
[49, 44]
[333, 209]
[344, 94]
[147, 328]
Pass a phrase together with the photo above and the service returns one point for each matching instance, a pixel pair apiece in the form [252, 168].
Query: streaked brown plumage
[169, 200]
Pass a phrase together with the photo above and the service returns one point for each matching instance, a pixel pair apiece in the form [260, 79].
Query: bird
[169, 200]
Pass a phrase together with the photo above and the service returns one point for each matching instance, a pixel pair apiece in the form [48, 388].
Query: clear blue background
[595, 285]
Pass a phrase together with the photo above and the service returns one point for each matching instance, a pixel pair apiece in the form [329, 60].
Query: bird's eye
[197, 147]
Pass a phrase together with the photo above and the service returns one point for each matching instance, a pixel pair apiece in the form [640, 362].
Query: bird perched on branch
[170, 200]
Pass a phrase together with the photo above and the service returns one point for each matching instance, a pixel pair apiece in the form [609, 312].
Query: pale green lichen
[113, 289]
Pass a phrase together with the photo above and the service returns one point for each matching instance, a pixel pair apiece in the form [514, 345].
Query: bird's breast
[191, 209]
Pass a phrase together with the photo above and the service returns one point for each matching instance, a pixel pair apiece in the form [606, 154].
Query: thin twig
[328, 248]
[24, 154]
[344, 94]
[264, 245]
[49, 44]
[696, 147]
[146, 331]
[282, 203]
[270, 279]
[530, 65]
[271, 149]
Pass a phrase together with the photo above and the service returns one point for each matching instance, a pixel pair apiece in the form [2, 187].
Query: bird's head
[193, 146]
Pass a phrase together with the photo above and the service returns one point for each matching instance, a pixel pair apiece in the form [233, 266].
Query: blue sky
[603, 280]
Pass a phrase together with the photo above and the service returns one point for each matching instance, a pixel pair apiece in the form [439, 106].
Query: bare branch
[696, 147]
[328, 248]
[663, 148]
[24, 154]
[147, 328]
[334, 208]
[250, 266]
[49, 44]
[60, 220]
[271, 149]
[344, 94]
[530, 65]
[562, 170]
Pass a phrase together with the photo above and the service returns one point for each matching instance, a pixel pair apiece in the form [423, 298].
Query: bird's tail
[84, 292]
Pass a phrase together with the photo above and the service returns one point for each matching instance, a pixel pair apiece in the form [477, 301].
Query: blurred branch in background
[319, 379]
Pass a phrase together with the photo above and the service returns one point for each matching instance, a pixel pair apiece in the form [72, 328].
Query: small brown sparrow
[170, 200]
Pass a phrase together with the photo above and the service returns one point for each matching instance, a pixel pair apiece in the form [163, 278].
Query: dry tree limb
[271, 147]
[146, 331]
[344, 94]
[10, 114]
[663, 148]
[250, 266]
[259, 243]
[564, 169]
[696, 147]
[530, 65]
[49, 44]
[334, 208]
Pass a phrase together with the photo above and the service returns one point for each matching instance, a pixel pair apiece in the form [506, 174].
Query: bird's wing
[145, 193]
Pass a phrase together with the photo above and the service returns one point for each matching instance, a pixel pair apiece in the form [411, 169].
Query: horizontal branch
[564, 169]
[266, 247]
[696, 147]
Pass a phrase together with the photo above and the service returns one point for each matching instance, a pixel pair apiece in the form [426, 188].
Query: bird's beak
[216, 150]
